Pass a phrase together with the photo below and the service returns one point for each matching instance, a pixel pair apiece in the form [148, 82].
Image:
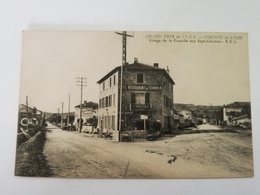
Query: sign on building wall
[144, 87]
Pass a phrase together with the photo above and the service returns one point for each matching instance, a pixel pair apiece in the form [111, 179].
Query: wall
[107, 113]
[151, 77]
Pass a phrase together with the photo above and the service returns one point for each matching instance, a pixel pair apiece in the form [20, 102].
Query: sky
[208, 68]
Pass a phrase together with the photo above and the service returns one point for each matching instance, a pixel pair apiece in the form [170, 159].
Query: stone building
[147, 91]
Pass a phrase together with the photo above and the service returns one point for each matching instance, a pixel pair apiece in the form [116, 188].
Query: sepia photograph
[134, 105]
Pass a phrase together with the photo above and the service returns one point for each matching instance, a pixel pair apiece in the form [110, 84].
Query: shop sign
[144, 87]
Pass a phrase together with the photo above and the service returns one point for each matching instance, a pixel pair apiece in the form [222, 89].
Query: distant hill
[207, 111]
[193, 107]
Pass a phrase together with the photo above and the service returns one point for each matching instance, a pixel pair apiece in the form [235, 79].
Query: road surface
[72, 154]
[208, 127]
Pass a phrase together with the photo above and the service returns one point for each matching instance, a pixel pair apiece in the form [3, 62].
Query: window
[140, 98]
[113, 122]
[100, 103]
[110, 82]
[167, 102]
[105, 121]
[114, 79]
[110, 100]
[107, 101]
[114, 99]
[104, 85]
[140, 78]
[109, 121]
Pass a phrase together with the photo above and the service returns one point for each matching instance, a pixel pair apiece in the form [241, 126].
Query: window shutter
[147, 98]
[132, 98]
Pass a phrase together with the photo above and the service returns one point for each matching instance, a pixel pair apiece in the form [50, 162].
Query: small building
[29, 117]
[89, 110]
[31, 113]
[236, 110]
[147, 92]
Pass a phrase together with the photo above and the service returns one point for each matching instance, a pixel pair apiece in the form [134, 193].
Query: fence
[133, 135]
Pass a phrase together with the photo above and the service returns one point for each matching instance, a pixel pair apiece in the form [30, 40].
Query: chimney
[156, 65]
[168, 70]
[135, 60]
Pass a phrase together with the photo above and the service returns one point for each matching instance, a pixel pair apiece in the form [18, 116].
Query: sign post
[144, 117]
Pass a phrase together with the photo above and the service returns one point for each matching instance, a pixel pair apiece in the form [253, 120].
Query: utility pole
[124, 36]
[82, 82]
[61, 113]
[58, 116]
[123, 71]
[27, 114]
[68, 119]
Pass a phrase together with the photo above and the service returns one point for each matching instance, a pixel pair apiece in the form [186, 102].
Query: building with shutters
[147, 90]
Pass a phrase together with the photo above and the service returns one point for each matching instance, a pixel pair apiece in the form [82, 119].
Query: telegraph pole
[124, 36]
[124, 43]
[27, 114]
[61, 113]
[82, 82]
[68, 119]
[58, 116]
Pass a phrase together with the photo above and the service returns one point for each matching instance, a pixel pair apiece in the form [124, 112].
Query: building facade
[29, 115]
[89, 110]
[147, 91]
[234, 111]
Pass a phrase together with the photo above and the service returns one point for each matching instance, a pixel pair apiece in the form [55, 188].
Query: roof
[136, 66]
[23, 109]
[241, 117]
[87, 105]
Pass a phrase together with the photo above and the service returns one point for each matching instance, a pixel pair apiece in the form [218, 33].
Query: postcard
[135, 105]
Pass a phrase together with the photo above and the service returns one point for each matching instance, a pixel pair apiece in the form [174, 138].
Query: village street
[202, 155]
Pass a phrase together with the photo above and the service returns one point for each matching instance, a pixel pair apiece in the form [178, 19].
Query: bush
[30, 160]
[21, 138]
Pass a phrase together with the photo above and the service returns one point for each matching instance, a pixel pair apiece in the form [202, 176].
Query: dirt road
[206, 155]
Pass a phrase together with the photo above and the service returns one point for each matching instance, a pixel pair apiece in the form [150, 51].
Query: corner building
[147, 90]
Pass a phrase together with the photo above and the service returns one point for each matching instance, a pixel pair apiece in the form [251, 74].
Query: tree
[93, 121]
[246, 111]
